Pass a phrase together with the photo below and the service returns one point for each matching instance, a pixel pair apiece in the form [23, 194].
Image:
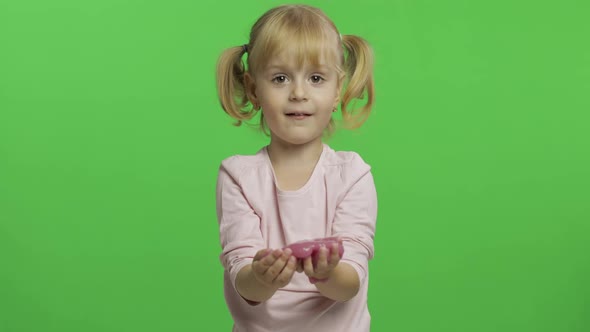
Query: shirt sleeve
[356, 216]
[239, 225]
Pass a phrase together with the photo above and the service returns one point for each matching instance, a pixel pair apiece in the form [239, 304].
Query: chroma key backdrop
[111, 136]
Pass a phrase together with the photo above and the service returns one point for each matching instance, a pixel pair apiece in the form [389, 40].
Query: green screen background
[111, 136]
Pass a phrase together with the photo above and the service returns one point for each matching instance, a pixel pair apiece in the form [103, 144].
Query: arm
[354, 223]
[250, 288]
[239, 225]
[342, 285]
[256, 276]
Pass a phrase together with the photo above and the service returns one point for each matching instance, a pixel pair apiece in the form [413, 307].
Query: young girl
[299, 70]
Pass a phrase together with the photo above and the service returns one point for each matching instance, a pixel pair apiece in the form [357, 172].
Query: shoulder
[236, 165]
[349, 164]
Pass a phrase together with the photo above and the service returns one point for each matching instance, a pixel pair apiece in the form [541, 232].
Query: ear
[338, 93]
[250, 86]
[339, 90]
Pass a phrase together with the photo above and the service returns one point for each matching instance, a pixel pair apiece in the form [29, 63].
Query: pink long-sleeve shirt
[339, 199]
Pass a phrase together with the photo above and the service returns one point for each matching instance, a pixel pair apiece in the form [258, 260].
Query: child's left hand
[328, 258]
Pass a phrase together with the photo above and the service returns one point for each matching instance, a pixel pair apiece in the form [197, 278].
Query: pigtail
[230, 84]
[358, 65]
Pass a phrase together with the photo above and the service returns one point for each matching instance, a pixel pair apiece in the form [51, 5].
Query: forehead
[298, 48]
[288, 60]
[292, 57]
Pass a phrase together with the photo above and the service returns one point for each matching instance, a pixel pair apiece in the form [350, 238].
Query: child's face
[297, 101]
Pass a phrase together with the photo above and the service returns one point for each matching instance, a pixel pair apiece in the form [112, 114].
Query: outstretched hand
[328, 259]
[274, 268]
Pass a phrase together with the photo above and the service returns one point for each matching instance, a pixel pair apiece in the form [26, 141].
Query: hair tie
[245, 48]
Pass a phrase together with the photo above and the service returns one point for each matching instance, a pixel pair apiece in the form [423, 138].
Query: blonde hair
[308, 31]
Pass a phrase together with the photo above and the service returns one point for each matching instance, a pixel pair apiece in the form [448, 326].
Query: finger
[334, 255]
[269, 257]
[287, 273]
[308, 266]
[277, 266]
[299, 265]
[322, 260]
[261, 254]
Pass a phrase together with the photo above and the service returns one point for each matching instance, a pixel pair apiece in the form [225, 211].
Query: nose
[298, 91]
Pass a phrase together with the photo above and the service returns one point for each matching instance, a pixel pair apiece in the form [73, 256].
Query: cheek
[323, 118]
[267, 99]
[327, 118]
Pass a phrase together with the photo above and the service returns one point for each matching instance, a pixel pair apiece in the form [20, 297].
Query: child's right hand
[274, 268]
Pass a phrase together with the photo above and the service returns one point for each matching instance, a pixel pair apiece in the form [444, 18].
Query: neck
[284, 154]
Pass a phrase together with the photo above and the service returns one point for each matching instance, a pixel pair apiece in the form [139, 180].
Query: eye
[316, 79]
[279, 79]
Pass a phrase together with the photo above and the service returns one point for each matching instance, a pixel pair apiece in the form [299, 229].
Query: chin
[297, 138]
[301, 140]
